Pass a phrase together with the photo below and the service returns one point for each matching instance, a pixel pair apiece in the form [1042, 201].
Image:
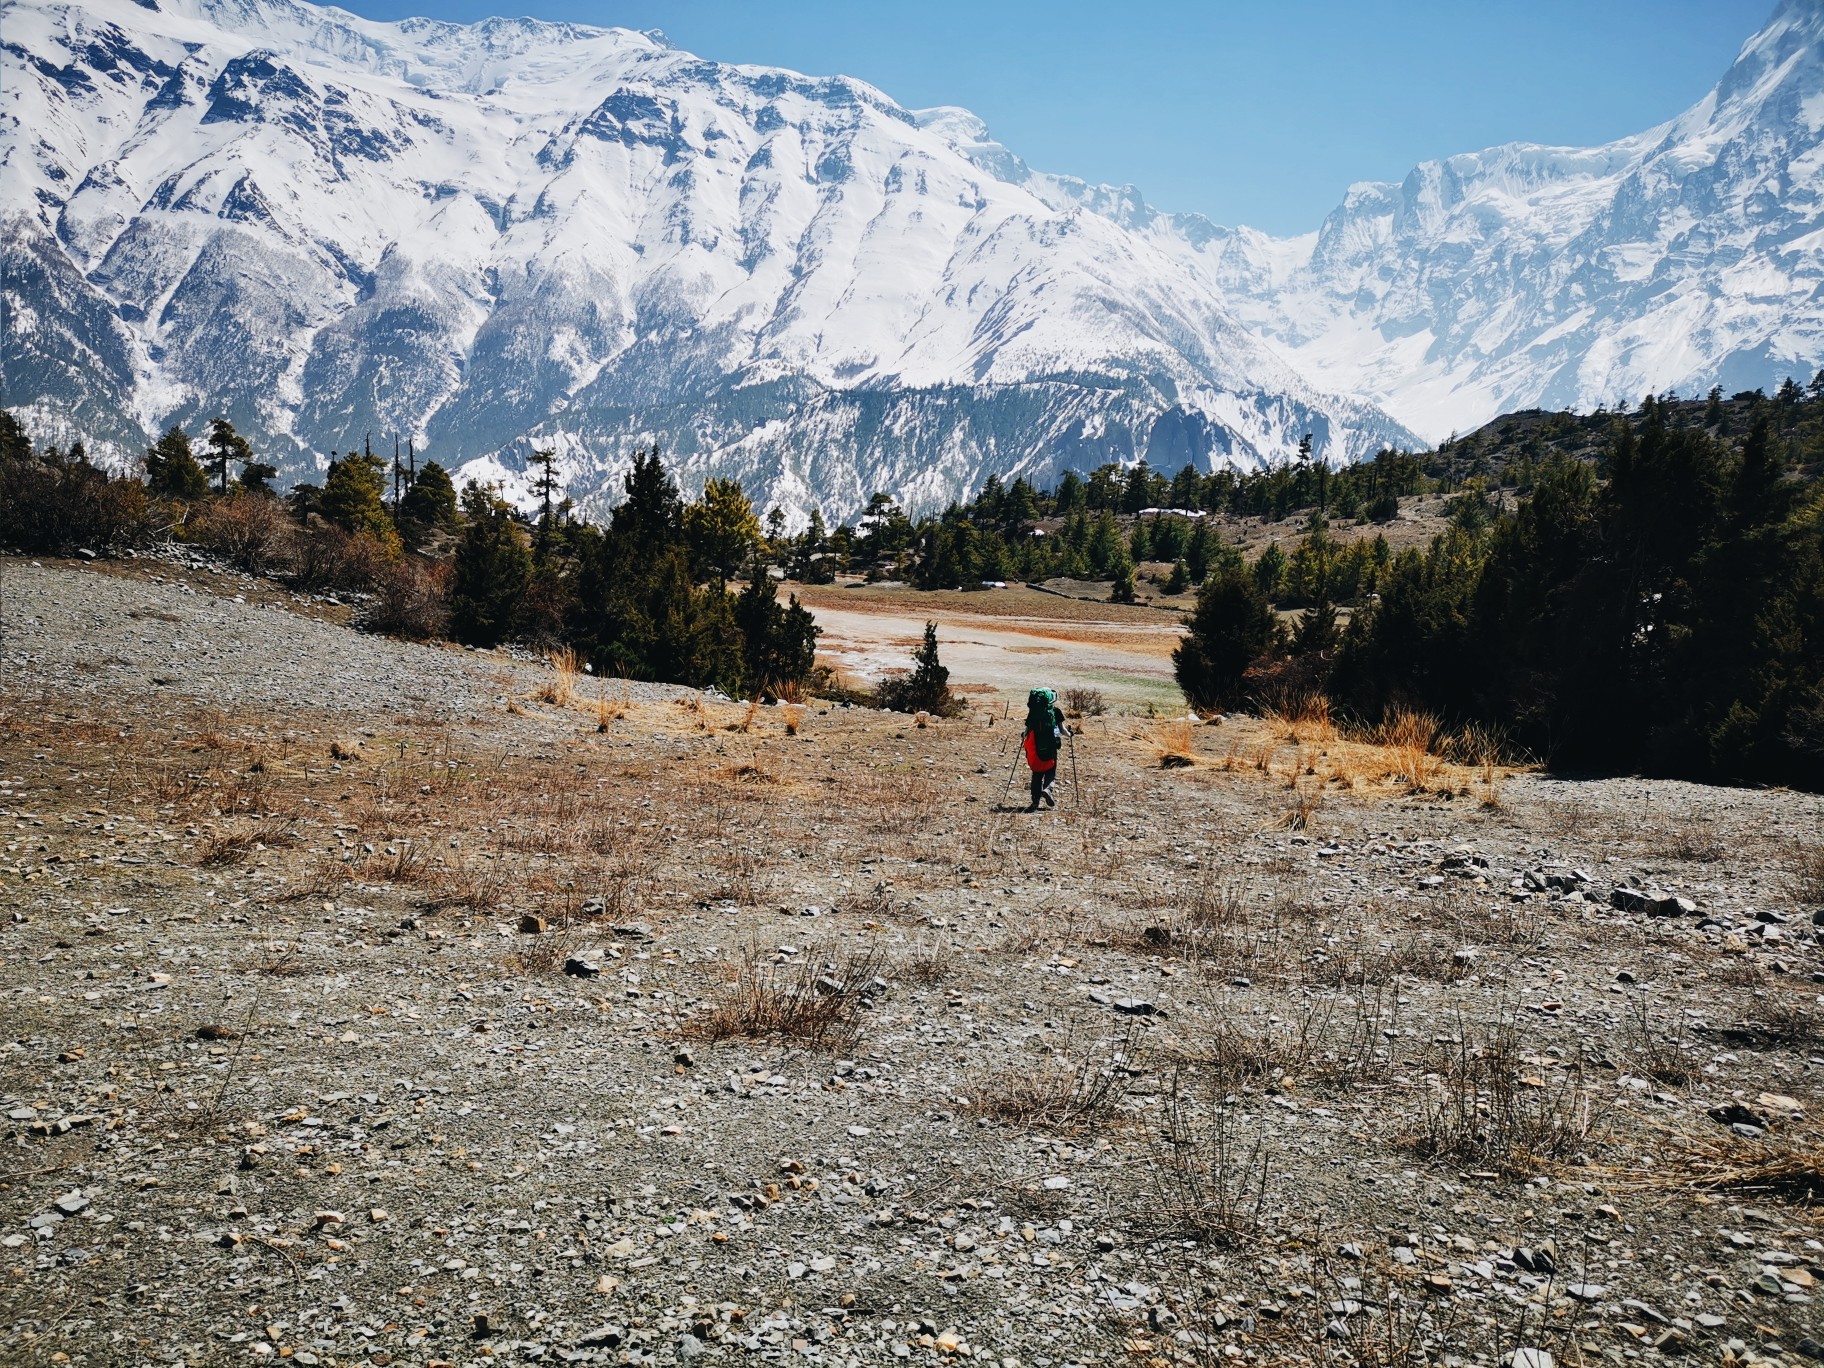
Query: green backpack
[1042, 722]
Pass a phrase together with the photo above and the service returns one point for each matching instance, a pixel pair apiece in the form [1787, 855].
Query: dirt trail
[1129, 661]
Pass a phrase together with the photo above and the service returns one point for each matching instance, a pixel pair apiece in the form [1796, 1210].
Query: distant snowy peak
[1525, 275]
[512, 234]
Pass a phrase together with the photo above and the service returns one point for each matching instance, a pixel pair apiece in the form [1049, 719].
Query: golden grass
[565, 669]
[608, 712]
[1305, 720]
[1173, 743]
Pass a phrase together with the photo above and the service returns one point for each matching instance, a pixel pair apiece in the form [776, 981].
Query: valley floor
[1273, 1056]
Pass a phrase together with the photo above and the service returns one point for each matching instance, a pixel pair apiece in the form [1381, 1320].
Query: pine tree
[1231, 627]
[1140, 544]
[779, 644]
[1104, 547]
[721, 529]
[492, 567]
[430, 502]
[544, 459]
[927, 688]
[1198, 552]
[257, 477]
[172, 471]
[652, 514]
[1270, 571]
[226, 447]
[354, 495]
[1318, 629]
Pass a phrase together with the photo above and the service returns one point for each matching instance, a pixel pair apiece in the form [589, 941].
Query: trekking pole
[1076, 789]
[1006, 787]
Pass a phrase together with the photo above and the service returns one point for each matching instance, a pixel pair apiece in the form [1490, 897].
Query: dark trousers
[1041, 785]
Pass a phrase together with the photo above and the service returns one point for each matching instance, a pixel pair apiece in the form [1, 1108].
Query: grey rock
[1632, 900]
[1135, 1007]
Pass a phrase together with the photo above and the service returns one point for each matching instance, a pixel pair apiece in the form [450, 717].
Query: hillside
[366, 1007]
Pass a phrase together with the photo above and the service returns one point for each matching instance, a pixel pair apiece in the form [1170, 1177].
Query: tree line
[1659, 609]
[645, 596]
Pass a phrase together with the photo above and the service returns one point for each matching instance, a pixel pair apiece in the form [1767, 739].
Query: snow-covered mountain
[515, 234]
[1689, 255]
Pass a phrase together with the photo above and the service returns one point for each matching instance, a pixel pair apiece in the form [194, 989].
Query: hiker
[1045, 732]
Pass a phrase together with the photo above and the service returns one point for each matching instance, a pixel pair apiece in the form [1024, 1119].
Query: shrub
[54, 506]
[926, 688]
[326, 557]
[409, 600]
[251, 531]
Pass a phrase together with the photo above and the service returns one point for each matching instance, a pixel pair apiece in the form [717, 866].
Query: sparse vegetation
[808, 1001]
[1486, 1105]
[1299, 1087]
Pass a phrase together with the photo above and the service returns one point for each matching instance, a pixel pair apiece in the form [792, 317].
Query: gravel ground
[367, 1005]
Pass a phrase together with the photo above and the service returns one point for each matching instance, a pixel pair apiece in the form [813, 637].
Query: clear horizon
[1223, 108]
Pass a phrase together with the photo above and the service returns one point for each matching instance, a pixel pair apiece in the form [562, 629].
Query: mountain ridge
[1527, 275]
[516, 233]
[589, 242]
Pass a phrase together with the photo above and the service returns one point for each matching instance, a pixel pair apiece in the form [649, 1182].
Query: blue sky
[1249, 111]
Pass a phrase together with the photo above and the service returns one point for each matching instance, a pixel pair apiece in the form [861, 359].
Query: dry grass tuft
[1785, 1168]
[1173, 743]
[927, 962]
[1647, 1051]
[1808, 875]
[1307, 797]
[608, 712]
[1058, 1094]
[406, 863]
[565, 669]
[1206, 1183]
[1410, 737]
[1486, 1106]
[794, 718]
[1304, 719]
[746, 723]
[470, 884]
[236, 846]
[815, 1003]
[753, 772]
[1697, 843]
